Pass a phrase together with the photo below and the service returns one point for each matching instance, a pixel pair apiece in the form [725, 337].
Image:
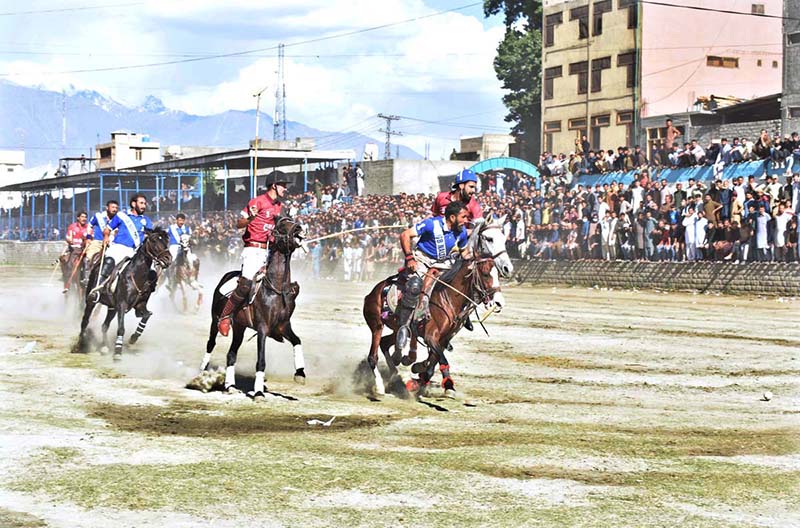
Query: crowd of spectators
[555, 216]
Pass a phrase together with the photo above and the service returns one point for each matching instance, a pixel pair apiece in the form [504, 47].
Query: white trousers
[119, 252]
[253, 259]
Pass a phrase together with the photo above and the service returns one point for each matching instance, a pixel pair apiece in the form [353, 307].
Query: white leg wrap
[206, 361]
[299, 359]
[378, 382]
[230, 376]
[258, 386]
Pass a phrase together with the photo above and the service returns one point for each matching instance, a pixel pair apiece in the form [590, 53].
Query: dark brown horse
[468, 283]
[270, 312]
[130, 290]
[72, 269]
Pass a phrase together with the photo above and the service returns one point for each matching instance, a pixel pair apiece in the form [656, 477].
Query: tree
[518, 66]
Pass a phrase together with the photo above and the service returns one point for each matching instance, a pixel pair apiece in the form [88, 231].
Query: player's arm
[248, 215]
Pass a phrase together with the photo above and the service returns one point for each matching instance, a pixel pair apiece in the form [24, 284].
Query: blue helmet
[464, 176]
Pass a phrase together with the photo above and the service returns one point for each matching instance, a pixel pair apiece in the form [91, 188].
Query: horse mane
[448, 275]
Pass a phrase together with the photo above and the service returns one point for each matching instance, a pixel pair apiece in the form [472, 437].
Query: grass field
[583, 408]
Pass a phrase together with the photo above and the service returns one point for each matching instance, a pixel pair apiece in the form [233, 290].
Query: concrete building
[790, 100]
[397, 176]
[127, 149]
[11, 164]
[607, 64]
[484, 147]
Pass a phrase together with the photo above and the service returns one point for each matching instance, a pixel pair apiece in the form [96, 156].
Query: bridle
[162, 258]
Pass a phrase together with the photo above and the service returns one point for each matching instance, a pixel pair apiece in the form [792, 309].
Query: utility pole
[279, 122]
[387, 151]
[255, 161]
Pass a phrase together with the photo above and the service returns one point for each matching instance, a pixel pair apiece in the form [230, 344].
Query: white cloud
[435, 68]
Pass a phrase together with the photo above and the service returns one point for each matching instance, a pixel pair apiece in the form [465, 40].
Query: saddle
[260, 279]
[391, 295]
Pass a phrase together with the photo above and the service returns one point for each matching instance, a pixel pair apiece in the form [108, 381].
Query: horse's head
[488, 240]
[288, 235]
[156, 246]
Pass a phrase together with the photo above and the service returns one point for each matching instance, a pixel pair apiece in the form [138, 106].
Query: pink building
[689, 53]
[608, 64]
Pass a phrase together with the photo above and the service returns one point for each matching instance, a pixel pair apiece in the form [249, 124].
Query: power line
[66, 9]
[713, 10]
[270, 48]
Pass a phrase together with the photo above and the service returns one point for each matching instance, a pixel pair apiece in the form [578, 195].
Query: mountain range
[31, 118]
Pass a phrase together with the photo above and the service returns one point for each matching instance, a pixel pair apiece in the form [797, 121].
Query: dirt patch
[185, 419]
[12, 519]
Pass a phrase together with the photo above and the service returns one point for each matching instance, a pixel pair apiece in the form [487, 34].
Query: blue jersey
[175, 233]
[130, 228]
[98, 222]
[436, 240]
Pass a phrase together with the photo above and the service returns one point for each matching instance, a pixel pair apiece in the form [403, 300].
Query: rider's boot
[236, 299]
[408, 303]
[105, 273]
[468, 324]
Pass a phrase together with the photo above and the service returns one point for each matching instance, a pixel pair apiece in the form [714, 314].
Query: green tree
[518, 65]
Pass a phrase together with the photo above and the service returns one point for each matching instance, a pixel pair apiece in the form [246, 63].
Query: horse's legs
[210, 344]
[121, 309]
[297, 349]
[230, 369]
[87, 314]
[261, 362]
[140, 328]
[372, 360]
[447, 381]
[110, 313]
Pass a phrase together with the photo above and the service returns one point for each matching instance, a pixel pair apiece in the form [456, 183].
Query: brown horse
[468, 283]
[72, 270]
[270, 312]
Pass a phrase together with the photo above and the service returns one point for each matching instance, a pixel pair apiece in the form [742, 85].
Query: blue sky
[438, 68]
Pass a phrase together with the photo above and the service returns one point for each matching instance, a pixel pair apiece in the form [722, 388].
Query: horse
[185, 271]
[72, 266]
[268, 313]
[467, 283]
[128, 287]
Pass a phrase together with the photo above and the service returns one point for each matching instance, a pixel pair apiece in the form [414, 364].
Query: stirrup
[403, 335]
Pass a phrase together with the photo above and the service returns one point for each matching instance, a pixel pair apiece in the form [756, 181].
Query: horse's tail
[216, 304]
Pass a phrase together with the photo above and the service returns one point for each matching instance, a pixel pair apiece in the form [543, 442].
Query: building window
[581, 69]
[598, 65]
[581, 14]
[633, 12]
[552, 126]
[550, 23]
[105, 152]
[625, 119]
[722, 62]
[774, 64]
[656, 137]
[10, 169]
[757, 9]
[758, 63]
[549, 75]
[597, 18]
[579, 125]
[628, 61]
[598, 123]
[137, 154]
[793, 38]
[794, 112]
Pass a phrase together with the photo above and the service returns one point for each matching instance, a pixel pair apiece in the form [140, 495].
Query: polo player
[98, 224]
[439, 238]
[258, 221]
[130, 228]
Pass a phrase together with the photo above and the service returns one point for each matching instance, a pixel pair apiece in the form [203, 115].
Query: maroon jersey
[443, 199]
[77, 233]
[260, 229]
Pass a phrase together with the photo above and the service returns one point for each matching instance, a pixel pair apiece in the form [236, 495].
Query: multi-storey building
[606, 64]
[790, 100]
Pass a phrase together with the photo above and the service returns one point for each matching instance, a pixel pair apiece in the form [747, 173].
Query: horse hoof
[423, 391]
[231, 389]
[117, 356]
[450, 393]
[103, 350]
[418, 368]
[397, 357]
[407, 360]
[134, 338]
[300, 377]
[257, 396]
